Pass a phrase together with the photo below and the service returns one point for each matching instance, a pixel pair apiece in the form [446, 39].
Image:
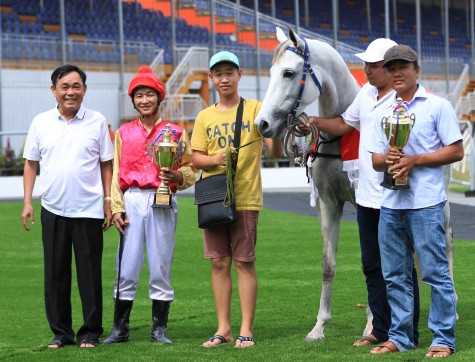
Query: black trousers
[60, 235]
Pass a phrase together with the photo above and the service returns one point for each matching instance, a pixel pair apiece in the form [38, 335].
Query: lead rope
[229, 199]
[290, 134]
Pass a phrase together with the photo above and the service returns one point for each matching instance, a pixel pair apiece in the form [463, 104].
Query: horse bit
[292, 130]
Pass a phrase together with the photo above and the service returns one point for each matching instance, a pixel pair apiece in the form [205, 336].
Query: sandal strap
[369, 339]
[86, 341]
[246, 339]
[440, 349]
[55, 342]
[217, 336]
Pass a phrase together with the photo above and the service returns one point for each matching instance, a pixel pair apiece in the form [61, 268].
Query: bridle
[292, 130]
[305, 54]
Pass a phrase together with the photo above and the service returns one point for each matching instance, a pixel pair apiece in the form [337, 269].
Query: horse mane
[280, 50]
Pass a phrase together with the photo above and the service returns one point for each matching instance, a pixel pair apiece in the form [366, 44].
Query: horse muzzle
[270, 129]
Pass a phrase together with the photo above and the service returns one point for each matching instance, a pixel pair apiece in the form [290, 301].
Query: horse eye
[289, 74]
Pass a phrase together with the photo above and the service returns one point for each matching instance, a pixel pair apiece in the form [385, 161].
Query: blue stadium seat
[97, 20]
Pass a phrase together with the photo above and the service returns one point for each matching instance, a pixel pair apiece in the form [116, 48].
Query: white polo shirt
[436, 126]
[69, 153]
[361, 115]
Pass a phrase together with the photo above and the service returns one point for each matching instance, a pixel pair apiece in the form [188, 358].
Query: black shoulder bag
[211, 192]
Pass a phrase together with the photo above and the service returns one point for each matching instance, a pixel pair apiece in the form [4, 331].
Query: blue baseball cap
[223, 56]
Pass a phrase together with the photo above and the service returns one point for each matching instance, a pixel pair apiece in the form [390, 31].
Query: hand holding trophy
[397, 129]
[165, 154]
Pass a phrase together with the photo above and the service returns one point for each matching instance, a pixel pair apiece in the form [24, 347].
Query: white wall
[26, 93]
[273, 179]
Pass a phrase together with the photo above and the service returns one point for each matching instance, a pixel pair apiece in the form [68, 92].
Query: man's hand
[219, 159]
[27, 213]
[120, 223]
[403, 166]
[168, 175]
[303, 123]
[107, 215]
[393, 156]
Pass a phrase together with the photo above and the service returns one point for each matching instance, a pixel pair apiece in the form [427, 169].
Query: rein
[231, 171]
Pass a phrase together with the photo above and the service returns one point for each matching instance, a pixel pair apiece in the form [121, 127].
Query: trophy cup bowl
[164, 154]
[397, 130]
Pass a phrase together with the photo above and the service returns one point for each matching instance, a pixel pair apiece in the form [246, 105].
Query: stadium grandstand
[110, 39]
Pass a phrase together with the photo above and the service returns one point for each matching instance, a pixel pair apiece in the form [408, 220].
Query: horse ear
[296, 39]
[281, 37]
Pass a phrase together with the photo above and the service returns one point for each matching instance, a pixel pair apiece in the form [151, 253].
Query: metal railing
[455, 95]
[466, 104]
[44, 52]
[157, 64]
[182, 107]
[192, 59]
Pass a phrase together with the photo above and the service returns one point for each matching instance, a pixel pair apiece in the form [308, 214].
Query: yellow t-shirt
[214, 131]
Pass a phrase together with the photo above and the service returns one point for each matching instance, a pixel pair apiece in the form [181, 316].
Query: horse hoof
[313, 339]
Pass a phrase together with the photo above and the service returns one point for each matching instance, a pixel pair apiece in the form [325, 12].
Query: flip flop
[84, 342]
[221, 339]
[446, 351]
[245, 339]
[386, 347]
[366, 341]
[55, 344]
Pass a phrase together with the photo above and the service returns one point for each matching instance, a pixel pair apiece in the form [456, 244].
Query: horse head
[303, 70]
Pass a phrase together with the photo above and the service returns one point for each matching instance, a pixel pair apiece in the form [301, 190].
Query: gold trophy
[164, 154]
[397, 129]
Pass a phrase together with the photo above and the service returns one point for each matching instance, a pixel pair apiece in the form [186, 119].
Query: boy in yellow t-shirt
[212, 134]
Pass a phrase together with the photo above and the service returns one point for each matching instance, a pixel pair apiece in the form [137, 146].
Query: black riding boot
[160, 310]
[120, 330]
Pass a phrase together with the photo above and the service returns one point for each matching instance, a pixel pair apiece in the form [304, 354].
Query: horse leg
[449, 245]
[449, 241]
[369, 322]
[330, 228]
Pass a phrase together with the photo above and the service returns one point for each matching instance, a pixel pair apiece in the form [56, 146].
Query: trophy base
[392, 184]
[162, 201]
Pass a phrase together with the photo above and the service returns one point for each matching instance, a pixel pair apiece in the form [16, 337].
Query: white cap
[376, 50]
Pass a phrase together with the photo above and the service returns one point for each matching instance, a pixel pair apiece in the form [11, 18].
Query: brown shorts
[236, 239]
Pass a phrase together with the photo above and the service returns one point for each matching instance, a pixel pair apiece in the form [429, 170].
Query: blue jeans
[400, 231]
[368, 220]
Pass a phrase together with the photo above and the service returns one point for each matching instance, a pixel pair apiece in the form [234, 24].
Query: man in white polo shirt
[72, 147]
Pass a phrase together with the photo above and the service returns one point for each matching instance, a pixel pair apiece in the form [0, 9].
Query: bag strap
[237, 130]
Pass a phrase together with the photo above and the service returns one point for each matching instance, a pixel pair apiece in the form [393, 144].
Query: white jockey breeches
[154, 228]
